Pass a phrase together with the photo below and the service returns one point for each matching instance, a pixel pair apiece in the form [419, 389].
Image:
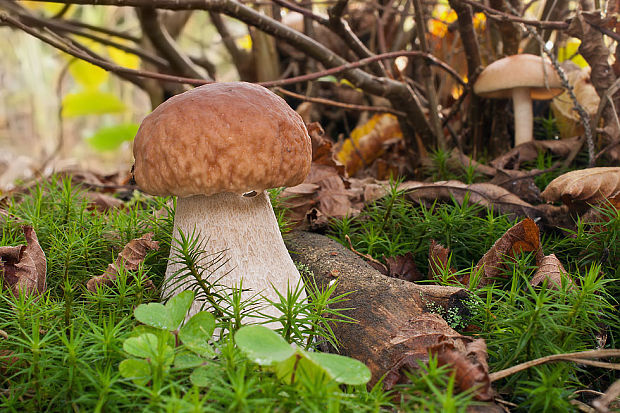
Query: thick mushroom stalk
[245, 229]
[524, 118]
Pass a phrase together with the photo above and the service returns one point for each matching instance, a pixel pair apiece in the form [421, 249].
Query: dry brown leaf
[438, 257]
[470, 366]
[23, 267]
[522, 237]
[129, 258]
[322, 195]
[323, 148]
[567, 119]
[518, 182]
[529, 151]
[484, 194]
[551, 269]
[585, 186]
[403, 267]
[411, 345]
[102, 202]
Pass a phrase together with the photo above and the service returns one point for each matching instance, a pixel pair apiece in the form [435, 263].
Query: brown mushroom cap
[221, 137]
[523, 70]
[585, 185]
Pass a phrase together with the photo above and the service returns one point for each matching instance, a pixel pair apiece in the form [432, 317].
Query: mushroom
[209, 146]
[522, 77]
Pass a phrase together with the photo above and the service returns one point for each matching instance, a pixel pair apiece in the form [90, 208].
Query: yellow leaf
[123, 58]
[48, 8]
[244, 42]
[366, 141]
[87, 74]
[570, 52]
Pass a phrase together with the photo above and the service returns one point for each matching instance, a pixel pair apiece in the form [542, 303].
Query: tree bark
[385, 308]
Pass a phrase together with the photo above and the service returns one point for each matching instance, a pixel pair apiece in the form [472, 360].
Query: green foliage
[432, 389]
[392, 226]
[72, 349]
[110, 138]
[266, 348]
[90, 102]
[518, 321]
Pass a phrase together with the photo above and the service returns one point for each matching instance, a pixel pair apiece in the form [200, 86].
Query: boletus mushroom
[218, 147]
[522, 78]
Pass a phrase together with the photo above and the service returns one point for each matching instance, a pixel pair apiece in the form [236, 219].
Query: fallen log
[389, 311]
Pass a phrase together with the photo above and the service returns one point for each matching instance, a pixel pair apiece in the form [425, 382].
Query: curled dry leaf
[470, 366]
[101, 202]
[551, 269]
[567, 118]
[430, 334]
[585, 186]
[366, 142]
[438, 257]
[23, 267]
[403, 267]
[410, 345]
[130, 258]
[484, 194]
[518, 182]
[522, 237]
[529, 151]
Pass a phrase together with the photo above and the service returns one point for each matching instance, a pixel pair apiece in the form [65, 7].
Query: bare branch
[163, 43]
[347, 106]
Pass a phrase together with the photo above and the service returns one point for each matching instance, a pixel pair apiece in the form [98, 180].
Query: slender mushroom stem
[246, 230]
[524, 119]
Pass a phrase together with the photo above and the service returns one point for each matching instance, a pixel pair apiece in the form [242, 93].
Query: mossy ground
[63, 348]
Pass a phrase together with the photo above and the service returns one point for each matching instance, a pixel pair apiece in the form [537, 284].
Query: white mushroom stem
[246, 229]
[524, 119]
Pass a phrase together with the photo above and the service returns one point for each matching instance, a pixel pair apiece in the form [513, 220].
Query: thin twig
[165, 44]
[363, 62]
[365, 256]
[348, 106]
[61, 26]
[575, 357]
[498, 15]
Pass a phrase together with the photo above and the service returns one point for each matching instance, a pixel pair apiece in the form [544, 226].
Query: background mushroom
[521, 78]
[209, 146]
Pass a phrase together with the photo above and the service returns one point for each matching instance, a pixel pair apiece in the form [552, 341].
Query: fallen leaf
[550, 268]
[567, 119]
[522, 237]
[470, 366]
[586, 186]
[102, 202]
[403, 267]
[485, 194]
[366, 141]
[438, 257]
[529, 152]
[323, 148]
[520, 183]
[129, 258]
[412, 342]
[23, 267]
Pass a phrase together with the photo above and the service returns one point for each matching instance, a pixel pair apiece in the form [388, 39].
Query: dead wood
[385, 308]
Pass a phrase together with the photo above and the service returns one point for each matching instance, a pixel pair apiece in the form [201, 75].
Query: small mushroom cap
[585, 185]
[221, 137]
[523, 70]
